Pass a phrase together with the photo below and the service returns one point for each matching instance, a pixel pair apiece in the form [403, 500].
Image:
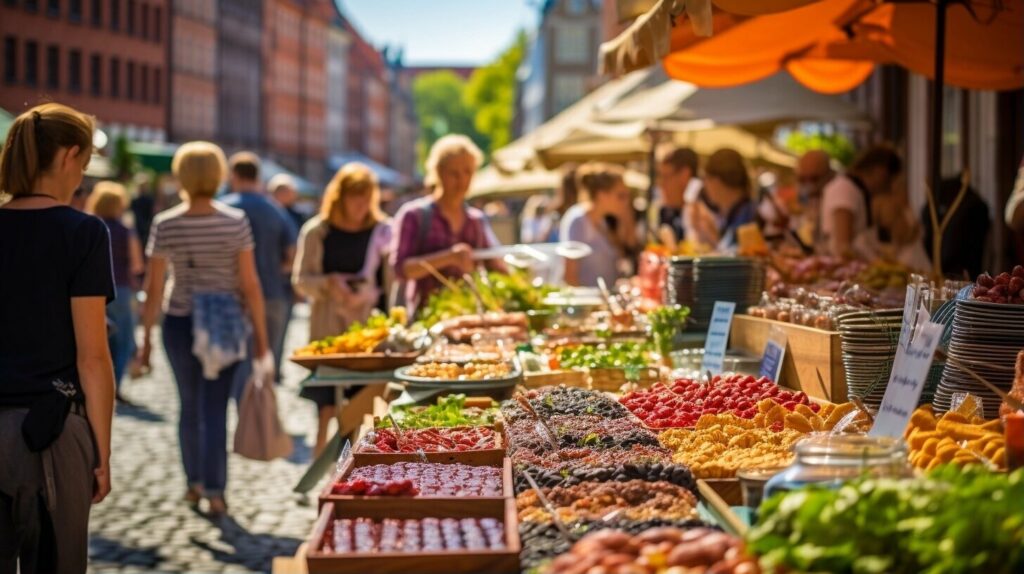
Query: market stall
[554, 430]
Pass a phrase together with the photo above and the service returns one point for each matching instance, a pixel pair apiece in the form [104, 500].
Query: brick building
[368, 109]
[193, 56]
[104, 57]
[240, 65]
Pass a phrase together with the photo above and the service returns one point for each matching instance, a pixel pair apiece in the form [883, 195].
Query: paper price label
[718, 336]
[774, 354]
[909, 374]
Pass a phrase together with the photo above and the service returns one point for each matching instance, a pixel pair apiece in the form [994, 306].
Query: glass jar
[831, 460]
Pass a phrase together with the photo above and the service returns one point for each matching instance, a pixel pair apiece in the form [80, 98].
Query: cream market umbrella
[490, 182]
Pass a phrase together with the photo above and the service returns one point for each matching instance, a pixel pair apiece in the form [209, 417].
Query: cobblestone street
[144, 526]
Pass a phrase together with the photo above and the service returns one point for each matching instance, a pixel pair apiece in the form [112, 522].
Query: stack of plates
[986, 337]
[698, 282]
[868, 340]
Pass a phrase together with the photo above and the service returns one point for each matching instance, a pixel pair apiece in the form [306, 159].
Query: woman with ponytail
[56, 375]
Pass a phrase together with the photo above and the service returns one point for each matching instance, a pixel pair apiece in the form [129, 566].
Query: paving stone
[144, 526]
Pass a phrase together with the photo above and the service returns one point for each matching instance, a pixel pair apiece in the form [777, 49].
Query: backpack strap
[426, 214]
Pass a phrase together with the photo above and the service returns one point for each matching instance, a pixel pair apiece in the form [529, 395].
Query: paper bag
[260, 435]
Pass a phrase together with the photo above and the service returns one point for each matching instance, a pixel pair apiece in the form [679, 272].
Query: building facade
[560, 66]
[239, 73]
[104, 57]
[193, 56]
[367, 115]
[338, 42]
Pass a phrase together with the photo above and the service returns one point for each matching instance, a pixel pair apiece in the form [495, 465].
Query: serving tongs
[562, 529]
[540, 424]
[400, 436]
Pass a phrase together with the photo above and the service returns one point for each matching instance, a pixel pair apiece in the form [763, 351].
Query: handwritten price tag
[718, 336]
[909, 373]
[774, 354]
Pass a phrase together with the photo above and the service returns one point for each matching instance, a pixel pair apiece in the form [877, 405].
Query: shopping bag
[260, 435]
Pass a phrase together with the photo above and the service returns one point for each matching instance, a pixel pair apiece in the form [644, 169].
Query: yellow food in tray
[477, 371]
[954, 438]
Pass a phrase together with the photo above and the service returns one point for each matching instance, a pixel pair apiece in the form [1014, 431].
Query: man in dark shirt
[274, 236]
[284, 191]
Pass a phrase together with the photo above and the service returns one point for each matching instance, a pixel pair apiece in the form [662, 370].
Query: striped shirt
[201, 250]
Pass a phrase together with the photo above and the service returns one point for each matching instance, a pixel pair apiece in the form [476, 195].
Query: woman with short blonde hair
[438, 233]
[108, 201]
[207, 248]
[56, 377]
[339, 266]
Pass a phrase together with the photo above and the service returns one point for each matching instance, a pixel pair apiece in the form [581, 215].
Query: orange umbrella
[832, 45]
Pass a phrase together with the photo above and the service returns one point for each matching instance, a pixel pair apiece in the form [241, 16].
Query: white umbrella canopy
[631, 141]
[492, 182]
[774, 100]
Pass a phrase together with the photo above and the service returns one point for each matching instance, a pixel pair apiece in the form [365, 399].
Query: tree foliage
[491, 93]
[838, 146]
[441, 110]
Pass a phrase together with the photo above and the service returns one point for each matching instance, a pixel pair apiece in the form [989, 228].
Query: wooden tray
[362, 362]
[454, 504]
[721, 508]
[808, 351]
[483, 457]
[568, 378]
[612, 379]
[504, 561]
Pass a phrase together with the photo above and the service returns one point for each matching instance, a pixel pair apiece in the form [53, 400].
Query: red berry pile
[422, 478]
[684, 401]
[365, 535]
[455, 439]
[1003, 288]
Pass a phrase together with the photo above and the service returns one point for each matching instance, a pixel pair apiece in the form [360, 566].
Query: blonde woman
[439, 232]
[339, 266]
[56, 377]
[108, 201]
[206, 248]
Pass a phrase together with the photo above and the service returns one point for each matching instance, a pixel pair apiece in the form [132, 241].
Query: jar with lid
[831, 460]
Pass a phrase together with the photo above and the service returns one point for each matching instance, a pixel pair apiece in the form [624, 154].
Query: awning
[387, 176]
[153, 156]
[492, 182]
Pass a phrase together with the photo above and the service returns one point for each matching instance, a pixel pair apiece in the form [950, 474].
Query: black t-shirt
[345, 252]
[47, 256]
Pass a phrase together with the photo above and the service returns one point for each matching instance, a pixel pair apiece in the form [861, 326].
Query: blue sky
[442, 31]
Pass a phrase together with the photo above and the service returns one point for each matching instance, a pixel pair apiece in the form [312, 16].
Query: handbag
[259, 434]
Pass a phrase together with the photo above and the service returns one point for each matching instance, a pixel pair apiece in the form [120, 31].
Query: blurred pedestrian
[846, 202]
[108, 201]
[727, 184]
[679, 186]
[966, 235]
[143, 209]
[274, 235]
[283, 189]
[438, 233]
[813, 173]
[541, 215]
[340, 267]
[1015, 205]
[604, 196]
[206, 248]
[56, 376]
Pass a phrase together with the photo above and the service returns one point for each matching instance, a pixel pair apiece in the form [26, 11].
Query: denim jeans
[278, 313]
[122, 337]
[202, 426]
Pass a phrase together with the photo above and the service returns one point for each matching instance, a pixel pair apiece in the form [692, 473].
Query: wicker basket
[611, 380]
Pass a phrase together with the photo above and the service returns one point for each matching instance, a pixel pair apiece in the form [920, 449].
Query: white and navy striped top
[201, 250]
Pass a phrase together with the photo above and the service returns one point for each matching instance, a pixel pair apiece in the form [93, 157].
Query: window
[75, 10]
[75, 70]
[157, 86]
[145, 21]
[568, 90]
[10, 2]
[144, 92]
[96, 75]
[96, 12]
[130, 17]
[115, 78]
[32, 5]
[129, 90]
[53, 67]
[115, 15]
[31, 63]
[10, 60]
[158, 23]
[571, 44]
[53, 8]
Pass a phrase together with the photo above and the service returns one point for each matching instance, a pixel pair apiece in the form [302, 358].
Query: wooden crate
[446, 502]
[504, 561]
[808, 351]
[568, 378]
[611, 380]
[728, 489]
